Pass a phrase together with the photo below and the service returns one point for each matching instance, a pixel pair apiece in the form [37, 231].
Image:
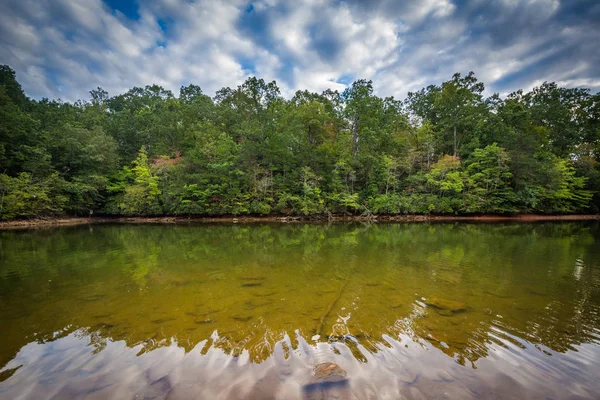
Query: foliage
[445, 149]
[488, 180]
[141, 196]
[24, 196]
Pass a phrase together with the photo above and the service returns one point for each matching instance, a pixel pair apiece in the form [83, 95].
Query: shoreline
[72, 221]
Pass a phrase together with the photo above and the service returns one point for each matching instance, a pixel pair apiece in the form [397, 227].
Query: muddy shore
[70, 221]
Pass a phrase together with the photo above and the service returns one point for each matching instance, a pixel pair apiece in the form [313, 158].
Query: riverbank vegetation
[446, 149]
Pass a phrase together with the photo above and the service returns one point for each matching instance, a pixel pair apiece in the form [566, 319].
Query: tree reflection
[246, 288]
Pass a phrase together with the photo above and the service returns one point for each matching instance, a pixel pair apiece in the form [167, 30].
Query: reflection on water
[436, 310]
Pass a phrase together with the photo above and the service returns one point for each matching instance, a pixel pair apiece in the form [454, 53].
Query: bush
[25, 197]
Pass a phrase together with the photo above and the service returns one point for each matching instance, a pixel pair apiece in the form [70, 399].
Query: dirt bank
[51, 222]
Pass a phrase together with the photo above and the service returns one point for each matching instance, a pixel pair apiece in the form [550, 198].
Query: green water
[245, 311]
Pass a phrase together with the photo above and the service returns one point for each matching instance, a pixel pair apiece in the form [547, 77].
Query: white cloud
[78, 45]
[64, 48]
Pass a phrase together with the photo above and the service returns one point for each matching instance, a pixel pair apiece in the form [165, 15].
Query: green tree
[488, 181]
[248, 150]
[142, 196]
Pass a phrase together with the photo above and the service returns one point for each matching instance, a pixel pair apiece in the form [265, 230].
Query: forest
[445, 149]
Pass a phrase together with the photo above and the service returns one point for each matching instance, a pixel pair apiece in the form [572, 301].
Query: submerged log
[330, 308]
[452, 306]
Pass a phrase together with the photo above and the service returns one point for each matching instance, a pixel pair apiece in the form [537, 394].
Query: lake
[218, 311]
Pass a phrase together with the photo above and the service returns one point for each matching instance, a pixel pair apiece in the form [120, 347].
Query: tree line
[446, 149]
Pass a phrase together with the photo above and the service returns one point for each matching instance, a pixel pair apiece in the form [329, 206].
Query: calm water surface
[246, 311]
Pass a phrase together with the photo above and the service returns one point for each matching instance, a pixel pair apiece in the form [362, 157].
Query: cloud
[77, 45]
[64, 48]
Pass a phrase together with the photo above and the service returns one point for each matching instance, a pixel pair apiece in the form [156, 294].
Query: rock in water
[329, 372]
[446, 305]
[329, 383]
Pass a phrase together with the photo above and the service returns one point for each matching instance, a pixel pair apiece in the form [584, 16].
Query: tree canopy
[445, 149]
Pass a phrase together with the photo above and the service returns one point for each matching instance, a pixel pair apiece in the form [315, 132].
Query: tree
[563, 112]
[24, 196]
[453, 107]
[248, 150]
[488, 181]
[458, 103]
[142, 196]
[445, 177]
[8, 80]
[22, 144]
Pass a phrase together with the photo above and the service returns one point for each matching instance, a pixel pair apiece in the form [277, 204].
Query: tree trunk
[455, 144]
[355, 137]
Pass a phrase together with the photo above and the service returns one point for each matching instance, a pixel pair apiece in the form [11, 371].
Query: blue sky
[64, 48]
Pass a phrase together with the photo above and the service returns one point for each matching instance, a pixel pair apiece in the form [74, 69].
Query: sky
[65, 48]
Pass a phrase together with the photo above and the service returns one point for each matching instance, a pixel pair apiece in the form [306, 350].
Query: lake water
[448, 310]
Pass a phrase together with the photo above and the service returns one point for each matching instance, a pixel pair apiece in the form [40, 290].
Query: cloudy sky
[64, 48]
